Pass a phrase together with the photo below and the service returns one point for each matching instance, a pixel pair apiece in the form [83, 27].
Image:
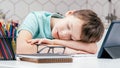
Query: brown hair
[93, 28]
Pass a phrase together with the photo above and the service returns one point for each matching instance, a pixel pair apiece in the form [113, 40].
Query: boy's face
[68, 29]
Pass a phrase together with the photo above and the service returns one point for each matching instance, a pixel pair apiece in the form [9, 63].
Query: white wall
[18, 9]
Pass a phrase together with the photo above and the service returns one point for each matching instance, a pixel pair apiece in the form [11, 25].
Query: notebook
[46, 58]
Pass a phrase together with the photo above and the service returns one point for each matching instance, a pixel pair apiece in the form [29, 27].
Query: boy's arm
[22, 46]
[77, 45]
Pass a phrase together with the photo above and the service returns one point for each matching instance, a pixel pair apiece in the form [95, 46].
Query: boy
[78, 30]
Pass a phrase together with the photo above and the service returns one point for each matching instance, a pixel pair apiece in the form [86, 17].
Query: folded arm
[22, 46]
[77, 45]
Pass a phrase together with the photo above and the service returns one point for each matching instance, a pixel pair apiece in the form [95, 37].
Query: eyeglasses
[51, 48]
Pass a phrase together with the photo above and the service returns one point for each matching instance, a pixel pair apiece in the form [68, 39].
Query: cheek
[64, 35]
[76, 36]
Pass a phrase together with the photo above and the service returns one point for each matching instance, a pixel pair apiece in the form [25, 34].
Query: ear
[69, 12]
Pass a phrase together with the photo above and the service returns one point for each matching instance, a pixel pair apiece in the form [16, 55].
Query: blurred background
[107, 10]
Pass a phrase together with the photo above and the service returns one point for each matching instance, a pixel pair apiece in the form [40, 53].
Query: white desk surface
[78, 62]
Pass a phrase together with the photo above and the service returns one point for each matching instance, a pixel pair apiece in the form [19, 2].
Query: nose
[64, 35]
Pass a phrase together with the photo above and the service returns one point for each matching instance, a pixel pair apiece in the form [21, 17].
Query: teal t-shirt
[38, 24]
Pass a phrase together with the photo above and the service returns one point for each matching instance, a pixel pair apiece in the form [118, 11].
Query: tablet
[111, 45]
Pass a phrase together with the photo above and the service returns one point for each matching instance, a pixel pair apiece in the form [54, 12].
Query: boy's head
[92, 29]
[83, 25]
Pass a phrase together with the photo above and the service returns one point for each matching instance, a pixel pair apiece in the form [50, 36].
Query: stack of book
[46, 58]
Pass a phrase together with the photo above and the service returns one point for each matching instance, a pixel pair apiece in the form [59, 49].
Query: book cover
[46, 58]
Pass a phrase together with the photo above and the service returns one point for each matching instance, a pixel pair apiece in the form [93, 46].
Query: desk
[78, 62]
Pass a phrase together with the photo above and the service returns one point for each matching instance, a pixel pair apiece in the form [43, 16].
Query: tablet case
[111, 44]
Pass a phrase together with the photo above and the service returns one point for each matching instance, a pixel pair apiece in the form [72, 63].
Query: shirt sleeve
[29, 24]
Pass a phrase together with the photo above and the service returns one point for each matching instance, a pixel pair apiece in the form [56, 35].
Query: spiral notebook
[46, 58]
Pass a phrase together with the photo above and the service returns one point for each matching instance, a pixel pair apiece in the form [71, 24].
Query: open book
[46, 58]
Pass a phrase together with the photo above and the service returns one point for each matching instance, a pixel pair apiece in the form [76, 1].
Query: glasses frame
[51, 48]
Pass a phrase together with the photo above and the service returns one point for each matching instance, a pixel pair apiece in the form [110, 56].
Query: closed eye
[68, 26]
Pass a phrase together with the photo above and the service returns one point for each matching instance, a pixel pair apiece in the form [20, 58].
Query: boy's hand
[40, 41]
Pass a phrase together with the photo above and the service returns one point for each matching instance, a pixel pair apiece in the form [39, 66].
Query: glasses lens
[51, 49]
[59, 50]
